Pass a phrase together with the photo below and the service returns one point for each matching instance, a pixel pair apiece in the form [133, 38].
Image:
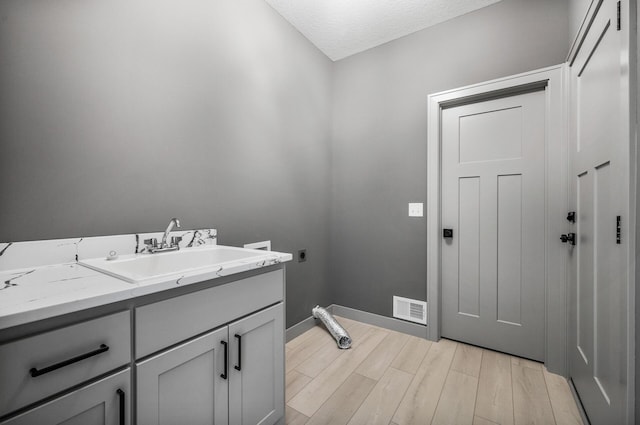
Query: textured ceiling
[341, 28]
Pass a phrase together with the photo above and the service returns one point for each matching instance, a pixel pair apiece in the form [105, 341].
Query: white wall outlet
[415, 209]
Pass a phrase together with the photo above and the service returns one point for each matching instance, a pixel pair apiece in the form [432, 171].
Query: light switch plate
[415, 209]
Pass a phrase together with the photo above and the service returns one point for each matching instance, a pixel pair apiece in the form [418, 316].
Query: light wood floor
[392, 378]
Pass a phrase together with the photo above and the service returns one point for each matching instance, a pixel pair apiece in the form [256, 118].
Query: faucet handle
[175, 240]
[151, 243]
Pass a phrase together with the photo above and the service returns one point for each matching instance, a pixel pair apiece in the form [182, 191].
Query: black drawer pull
[35, 372]
[239, 365]
[226, 360]
[121, 407]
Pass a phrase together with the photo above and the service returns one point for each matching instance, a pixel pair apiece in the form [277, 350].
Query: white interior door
[493, 200]
[599, 154]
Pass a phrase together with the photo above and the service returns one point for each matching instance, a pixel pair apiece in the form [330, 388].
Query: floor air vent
[411, 310]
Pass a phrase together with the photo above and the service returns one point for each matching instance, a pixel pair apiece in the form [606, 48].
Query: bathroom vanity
[202, 346]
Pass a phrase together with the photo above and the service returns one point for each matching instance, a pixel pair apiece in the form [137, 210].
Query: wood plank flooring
[391, 378]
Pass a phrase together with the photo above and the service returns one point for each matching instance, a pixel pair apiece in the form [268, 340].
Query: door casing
[556, 189]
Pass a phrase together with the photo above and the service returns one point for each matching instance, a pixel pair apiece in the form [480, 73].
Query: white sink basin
[142, 267]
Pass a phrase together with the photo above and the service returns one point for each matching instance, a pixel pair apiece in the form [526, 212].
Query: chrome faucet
[153, 246]
[174, 222]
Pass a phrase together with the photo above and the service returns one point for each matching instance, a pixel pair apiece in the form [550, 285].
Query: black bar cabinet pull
[239, 365]
[37, 372]
[121, 400]
[226, 360]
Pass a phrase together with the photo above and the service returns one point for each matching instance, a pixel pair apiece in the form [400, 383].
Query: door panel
[176, 395]
[586, 255]
[256, 391]
[479, 140]
[509, 248]
[469, 229]
[599, 155]
[183, 384]
[493, 196]
[94, 415]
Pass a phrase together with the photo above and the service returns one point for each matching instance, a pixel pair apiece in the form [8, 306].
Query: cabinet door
[106, 402]
[256, 386]
[185, 385]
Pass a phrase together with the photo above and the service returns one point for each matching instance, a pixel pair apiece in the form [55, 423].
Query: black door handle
[226, 360]
[120, 393]
[447, 233]
[37, 372]
[239, 365]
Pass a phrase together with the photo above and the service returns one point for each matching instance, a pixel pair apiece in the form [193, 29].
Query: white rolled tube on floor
[338, 332]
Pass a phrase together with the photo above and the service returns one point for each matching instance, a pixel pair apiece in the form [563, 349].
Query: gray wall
[380, 137]
[117, 115]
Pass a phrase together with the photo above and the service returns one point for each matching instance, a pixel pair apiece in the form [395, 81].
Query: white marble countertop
[42, 291]
[39, 293]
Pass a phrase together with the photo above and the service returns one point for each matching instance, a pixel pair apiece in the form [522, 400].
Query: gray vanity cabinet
[213, 356]
[192, 383]
[208, 356]
[106, 402]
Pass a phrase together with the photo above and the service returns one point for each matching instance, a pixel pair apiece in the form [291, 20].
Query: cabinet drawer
[171, 321]
[42, 365]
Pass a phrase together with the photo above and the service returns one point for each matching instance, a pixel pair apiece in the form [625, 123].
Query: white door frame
[553, 81]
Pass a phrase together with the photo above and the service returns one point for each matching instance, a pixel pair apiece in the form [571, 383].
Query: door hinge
[619, 26]
[618, 230]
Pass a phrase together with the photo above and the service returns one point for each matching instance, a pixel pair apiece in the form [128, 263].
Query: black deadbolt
[570, 237]
[447, 233]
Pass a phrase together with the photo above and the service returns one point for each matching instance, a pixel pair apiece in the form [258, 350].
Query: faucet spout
[174, 222]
